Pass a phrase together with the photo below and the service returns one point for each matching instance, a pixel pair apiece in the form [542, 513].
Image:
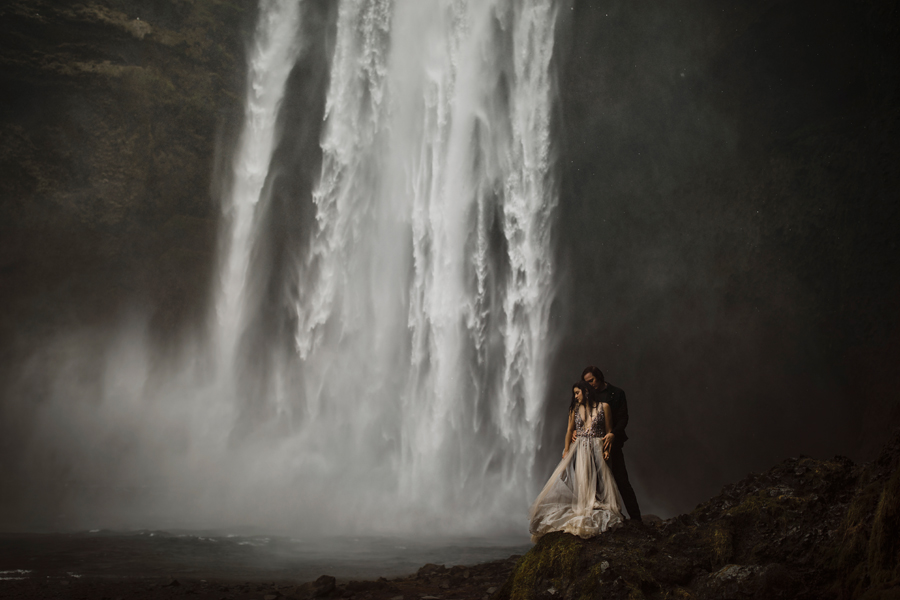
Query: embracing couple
[585, 494]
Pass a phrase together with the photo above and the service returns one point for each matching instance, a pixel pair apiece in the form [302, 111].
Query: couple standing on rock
[587, 489]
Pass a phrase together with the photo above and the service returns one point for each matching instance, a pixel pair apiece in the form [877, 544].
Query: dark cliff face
[110, 119]
[804, 529]
[111, 114]
[728, 218]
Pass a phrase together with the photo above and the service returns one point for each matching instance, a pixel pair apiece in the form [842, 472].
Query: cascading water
[412, 391]
[423, 298]
[273, 54]
[407, 387]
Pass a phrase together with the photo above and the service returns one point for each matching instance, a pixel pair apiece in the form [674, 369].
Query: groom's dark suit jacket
[618, 405]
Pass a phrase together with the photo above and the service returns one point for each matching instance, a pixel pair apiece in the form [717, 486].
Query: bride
[581, 497]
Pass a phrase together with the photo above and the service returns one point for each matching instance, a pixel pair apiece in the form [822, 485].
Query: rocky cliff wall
[111, 120]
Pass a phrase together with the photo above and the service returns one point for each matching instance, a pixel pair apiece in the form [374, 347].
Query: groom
[615, 439]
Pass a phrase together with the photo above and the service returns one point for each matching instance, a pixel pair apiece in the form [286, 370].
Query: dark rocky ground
[805, 528]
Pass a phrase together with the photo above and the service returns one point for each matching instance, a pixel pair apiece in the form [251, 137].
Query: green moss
[629, 562]
[554, 558]
[764, 506]
[634, 592]
[883, 550]
[635, 571]
[866, 555]
[722, 542]
[712, 544]
[854, 532]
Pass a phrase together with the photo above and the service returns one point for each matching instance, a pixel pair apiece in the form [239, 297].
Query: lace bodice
[597, 425]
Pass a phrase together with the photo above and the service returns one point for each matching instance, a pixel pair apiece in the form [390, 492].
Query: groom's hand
[574, 435]
[607, 441]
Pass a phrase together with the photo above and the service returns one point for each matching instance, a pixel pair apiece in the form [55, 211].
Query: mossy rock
[816, 528]
[115, 115]
[617, 564]
[866, 552]
[553, 561]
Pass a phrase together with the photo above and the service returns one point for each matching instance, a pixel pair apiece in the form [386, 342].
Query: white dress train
[581, 496]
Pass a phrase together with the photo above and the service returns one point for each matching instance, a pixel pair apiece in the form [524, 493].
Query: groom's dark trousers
[616, 464]
[618, 404]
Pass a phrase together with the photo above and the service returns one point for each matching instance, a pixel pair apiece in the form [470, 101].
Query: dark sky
[728, 232]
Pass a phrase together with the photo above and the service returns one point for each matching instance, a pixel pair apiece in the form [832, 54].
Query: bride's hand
[606, 455]
[565, 452]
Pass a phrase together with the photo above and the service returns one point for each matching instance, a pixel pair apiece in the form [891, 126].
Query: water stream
[401, 390]
[416, 388]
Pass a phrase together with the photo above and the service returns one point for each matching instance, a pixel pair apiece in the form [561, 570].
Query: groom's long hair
[587, 393]
[597, 373]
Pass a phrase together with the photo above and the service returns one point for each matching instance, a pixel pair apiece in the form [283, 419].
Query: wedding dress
[581, 496]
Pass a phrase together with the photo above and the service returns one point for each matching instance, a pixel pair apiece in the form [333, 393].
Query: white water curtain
[408, 383]
[416, 391]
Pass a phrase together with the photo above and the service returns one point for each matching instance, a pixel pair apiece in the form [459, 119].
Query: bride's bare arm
[569, 430]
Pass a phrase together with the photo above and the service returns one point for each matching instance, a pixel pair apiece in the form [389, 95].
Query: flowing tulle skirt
[581, 496]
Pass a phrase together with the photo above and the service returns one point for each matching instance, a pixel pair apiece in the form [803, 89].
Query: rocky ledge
[804, 529]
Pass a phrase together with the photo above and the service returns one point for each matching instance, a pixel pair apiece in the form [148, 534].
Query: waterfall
[407, 383]
[271, 58]
[415, 389]
[424, 295]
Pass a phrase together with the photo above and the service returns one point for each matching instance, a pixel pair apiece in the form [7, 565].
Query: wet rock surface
[806, 528]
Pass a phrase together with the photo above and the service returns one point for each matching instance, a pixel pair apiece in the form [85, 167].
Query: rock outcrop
[806, 528]
[108, 141]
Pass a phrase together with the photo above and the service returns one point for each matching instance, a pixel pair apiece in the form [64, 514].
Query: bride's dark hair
[587, 394]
